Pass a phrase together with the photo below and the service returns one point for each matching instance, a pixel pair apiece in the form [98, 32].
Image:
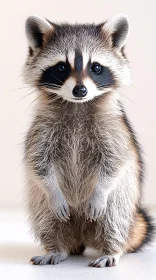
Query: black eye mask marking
[104, 78]
[56, 75]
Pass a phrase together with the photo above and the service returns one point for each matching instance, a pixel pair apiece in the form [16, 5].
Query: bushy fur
[83, 162]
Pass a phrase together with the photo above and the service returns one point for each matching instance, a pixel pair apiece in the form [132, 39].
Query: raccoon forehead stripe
[78, 62]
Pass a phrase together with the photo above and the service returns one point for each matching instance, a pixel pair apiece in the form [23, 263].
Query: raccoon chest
[79, 164]
[80, 152]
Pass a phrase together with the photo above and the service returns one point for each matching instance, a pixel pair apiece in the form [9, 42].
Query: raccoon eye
[61, 67]
[96, 68]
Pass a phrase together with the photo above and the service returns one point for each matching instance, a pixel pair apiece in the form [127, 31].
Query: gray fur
[81, 159]
[81, 151]
[51, 258]
[106, 260]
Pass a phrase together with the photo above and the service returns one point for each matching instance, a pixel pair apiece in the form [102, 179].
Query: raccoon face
[77, 62]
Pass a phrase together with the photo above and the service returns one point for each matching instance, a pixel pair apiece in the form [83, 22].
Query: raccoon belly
[77, 181]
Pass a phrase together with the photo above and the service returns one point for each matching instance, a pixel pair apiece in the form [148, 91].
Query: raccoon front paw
[95, 208]
[60, 208]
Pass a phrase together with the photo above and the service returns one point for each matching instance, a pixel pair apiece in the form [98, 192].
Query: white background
[139, 99]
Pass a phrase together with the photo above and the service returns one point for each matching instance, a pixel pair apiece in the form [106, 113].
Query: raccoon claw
[61, 210]
[106, 260]
[94, 213]
[51, 258]
[94, 210]
[63, 213]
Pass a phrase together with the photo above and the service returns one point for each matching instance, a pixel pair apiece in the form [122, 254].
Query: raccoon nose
[80, 91]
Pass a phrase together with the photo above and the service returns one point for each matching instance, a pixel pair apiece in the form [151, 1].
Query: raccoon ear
[36, 28]
[117, 28]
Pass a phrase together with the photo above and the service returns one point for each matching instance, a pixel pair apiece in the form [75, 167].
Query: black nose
[79, 91]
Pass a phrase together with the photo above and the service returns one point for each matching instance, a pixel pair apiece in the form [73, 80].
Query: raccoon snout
[80, 91]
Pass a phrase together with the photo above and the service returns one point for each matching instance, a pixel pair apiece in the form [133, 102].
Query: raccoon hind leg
[50, 258]
[106, 260]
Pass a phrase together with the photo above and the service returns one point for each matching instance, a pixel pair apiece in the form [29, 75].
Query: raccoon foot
[59, 208]
[106, 260]
[51, 258]
[96, 207]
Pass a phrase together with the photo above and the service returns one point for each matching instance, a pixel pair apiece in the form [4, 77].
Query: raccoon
[84, 166]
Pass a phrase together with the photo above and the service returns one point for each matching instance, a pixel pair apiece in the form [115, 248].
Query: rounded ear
[117, 28]
[36, 28]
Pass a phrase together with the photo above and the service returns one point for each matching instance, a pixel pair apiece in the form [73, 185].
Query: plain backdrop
[16, 103]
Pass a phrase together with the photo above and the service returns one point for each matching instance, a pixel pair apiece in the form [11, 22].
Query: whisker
[136, 89]
[103, 86]
[18, 88]
[59, 81]
[26, 95]
[31, 104]
[17, 78]
[125, 96]
[64, 89]
[50, 85]
[56, 79]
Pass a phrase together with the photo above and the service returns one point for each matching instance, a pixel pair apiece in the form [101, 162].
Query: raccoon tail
[142, 232]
